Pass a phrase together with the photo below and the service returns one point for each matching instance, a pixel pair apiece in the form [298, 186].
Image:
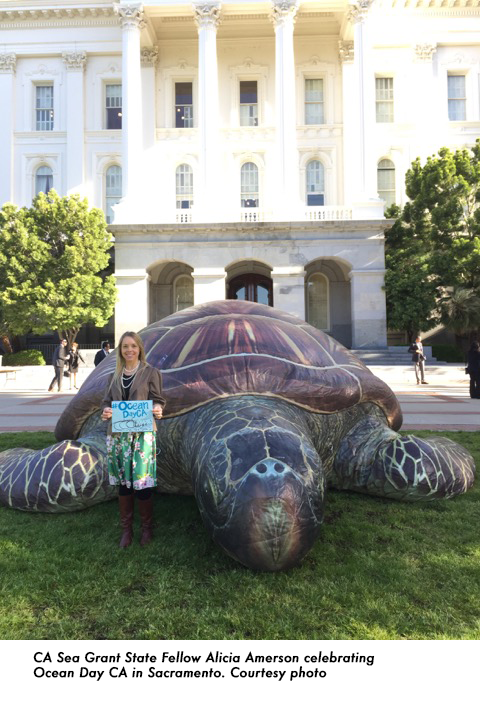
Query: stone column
[207, 19]
[208, 285]
[369, 314]
[149, 57]
[131, 17]
[75, 175]
[350, 121]
[367, 205]
[7, 88]
[131, 309]
[287, 193]
[289, 289]
[429, 133]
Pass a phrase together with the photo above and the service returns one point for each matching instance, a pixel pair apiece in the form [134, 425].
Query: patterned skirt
[132, 459]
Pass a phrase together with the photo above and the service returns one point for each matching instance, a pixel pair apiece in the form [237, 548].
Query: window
[248, 104]
[315, 183]
[456, 98]
[317, 301]
[43, 180]
[183, 105]
[249, 185]
[113, 190]
[44, 108]
[314, 108]
[386, 181]
[113, 104]
[182, 293]
[384, 99]
[184, 187]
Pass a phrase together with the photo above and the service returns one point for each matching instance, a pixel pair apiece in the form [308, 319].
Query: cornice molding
[56, 17]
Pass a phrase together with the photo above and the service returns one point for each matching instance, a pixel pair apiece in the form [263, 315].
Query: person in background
[473, 369]
[75, 358]
[60, 356]
[418, 358]
[100, 355]
[132, 456]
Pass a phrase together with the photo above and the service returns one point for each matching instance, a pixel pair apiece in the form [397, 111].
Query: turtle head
[259, 482]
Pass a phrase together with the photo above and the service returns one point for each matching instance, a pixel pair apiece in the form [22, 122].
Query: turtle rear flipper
[376, 460]
[70, 475]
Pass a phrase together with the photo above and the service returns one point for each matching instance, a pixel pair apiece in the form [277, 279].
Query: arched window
[113, 190]
[317, 301]
[182, 292]
[249, 185]
[386, 181]
[43, 180]
[184, 186]
[315, 183]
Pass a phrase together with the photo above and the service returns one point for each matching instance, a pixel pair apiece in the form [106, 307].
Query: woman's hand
[157, 411]
[107, 413]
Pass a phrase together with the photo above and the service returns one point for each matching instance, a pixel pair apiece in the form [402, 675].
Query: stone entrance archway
[171, 289]
[249, 280]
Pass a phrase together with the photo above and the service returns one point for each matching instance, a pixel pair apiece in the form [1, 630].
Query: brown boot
[145, 508]
[126, 520]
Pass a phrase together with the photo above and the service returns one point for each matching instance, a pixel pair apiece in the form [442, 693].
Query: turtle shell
[231, 347]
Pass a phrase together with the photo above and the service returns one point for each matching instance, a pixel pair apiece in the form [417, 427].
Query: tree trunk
[5, 342]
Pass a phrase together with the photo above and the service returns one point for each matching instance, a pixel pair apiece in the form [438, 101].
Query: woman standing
[473, 369]
[75, 358]
[132, 461]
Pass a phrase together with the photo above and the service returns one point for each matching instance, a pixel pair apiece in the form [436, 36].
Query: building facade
[239, 149]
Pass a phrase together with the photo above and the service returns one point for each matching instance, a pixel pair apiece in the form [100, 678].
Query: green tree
[434, 246]
[460, 312]
[51, 263]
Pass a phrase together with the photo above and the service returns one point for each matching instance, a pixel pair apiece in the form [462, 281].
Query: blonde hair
[116, 380]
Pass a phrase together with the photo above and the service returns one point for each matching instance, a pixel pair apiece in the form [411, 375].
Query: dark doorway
[252, 287]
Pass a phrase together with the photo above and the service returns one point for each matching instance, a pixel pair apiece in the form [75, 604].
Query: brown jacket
[147, 385]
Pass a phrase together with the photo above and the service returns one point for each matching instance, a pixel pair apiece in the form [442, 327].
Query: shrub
[28, 357]
[448, 352]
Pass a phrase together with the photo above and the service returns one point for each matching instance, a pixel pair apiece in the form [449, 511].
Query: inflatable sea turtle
[263, 412]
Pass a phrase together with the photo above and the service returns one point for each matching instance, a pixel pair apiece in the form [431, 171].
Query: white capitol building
[239, 149]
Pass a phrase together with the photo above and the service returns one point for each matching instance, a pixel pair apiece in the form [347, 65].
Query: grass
[380, 570]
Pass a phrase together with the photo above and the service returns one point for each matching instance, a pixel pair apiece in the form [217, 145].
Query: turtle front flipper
[70, 475]
[374, 459]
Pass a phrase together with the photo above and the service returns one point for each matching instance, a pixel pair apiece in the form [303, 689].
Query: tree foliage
[433, 248]
[51, 260]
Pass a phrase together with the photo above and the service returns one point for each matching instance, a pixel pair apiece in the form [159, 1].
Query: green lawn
[381, 570]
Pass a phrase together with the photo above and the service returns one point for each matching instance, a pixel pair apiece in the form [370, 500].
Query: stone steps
[393, 356]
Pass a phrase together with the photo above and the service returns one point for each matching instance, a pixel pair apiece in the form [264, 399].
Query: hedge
[28, 357]
[447, 352]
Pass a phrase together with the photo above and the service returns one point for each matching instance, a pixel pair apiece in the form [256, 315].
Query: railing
[48, 349]
[184, 216]
[251, 214]
[326, 212]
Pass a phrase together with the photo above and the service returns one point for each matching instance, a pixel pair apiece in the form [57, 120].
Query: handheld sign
[132, 416]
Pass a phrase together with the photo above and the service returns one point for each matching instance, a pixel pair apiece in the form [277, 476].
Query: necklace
[127, 381]
[130, 372]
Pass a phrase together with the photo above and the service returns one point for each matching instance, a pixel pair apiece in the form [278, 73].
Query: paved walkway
[443, 404]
